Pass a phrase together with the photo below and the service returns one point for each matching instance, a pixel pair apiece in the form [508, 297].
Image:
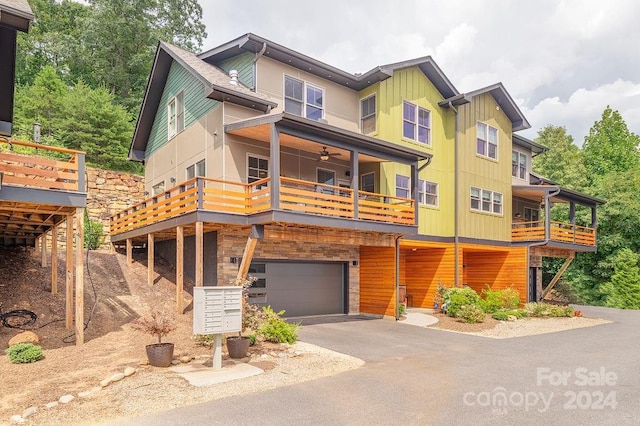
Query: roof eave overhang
[15, 19]
[223, 95]
[529, 144]
[506, 103]
[562, 193]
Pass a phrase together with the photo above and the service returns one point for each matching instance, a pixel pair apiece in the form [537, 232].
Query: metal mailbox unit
[217, 310]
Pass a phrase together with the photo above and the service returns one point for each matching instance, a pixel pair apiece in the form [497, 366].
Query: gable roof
[16, 14]
[217, 87]
[506, 103]
[261, 46]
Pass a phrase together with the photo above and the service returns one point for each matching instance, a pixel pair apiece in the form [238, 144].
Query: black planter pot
[160, 354]
[237, 346]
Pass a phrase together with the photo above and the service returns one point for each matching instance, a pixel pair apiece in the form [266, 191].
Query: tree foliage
[562, 163]
[623, 291]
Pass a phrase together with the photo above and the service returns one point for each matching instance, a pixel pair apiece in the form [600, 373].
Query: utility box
[217, 309]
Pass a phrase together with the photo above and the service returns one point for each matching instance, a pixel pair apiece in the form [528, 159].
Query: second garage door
[299, 288]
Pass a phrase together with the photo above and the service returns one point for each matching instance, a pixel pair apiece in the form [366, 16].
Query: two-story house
[41, 187]
[332, 189]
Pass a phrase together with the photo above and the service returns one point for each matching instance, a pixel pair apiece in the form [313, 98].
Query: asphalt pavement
[422, 376]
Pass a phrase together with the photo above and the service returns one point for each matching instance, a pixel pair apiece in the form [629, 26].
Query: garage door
[299, 288]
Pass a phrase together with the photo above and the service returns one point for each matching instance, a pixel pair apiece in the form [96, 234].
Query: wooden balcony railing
[559, 231]
[244, 199]
[33, 165]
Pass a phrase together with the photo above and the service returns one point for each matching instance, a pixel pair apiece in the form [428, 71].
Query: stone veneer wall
[232, 241]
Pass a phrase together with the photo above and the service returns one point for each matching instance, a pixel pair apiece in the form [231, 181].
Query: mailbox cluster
[217, 310]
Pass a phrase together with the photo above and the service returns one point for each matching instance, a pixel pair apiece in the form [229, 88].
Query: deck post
[274, 166]
[43, 249]
[150, 257]
[129, 252]
[179, 269]
[79, 277]
[257, 233]
[199, 254]
[54, 259]
[69, 277]
[355, 184]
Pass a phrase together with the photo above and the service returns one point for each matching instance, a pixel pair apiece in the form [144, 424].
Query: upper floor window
[486, 201]
[303, 99]
[403, 189]
[518, 165]
[175, 115]
[416, 123]
[198, 169]
[257, 169]
[158, 188]
[427, 193]
[487, 141]
[368, 115]
[368, 182]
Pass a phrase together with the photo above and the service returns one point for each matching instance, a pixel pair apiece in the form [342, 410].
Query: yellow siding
[484, 173]
[378, 280]
[410, 84]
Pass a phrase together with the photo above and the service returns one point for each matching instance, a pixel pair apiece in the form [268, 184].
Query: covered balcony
[283, 192]
[533, 206]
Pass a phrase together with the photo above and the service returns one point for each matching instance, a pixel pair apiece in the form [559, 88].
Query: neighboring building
[391, 164]
[41, 187]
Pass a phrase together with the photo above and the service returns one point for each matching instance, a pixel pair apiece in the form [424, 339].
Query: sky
[562, 61]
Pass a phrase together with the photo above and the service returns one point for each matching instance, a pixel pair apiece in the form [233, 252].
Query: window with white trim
[257, 169]
[518, 165]
[486, 201]
[368, 115]
[416, 123]
[303, 99]
[158, 188]
[368, 182]
[427, 193]
[175, 115]
[197, 169]
[403, 186]
[487, 141]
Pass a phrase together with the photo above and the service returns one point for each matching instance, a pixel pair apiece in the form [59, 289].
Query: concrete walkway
[418, 317]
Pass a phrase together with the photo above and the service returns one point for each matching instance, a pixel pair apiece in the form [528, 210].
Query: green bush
[471, 314]
[24, 353]
[275, 329]
[401, 309]
[494, 300]
[455, 298]
[561, 311]
[252, 339]
[93, 234]
[503, 315]
[541, 309]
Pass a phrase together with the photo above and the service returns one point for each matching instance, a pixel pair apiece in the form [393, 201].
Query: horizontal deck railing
[243, 199]
[33, 165]
[559, 231]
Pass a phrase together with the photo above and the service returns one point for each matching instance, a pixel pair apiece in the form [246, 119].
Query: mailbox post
[217, 310]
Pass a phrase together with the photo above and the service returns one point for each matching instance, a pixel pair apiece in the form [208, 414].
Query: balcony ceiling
[26, 221]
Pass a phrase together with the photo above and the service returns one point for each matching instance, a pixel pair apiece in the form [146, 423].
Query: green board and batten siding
[196, 104]
[245, 67]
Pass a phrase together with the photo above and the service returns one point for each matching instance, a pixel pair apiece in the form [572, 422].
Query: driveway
[420, 376]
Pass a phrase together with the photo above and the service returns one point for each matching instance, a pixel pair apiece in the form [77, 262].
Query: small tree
[157, 324]
[623, 291]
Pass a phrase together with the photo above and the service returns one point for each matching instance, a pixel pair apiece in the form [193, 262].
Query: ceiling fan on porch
[325, 155]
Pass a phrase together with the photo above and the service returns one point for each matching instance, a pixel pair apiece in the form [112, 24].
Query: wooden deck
[559, 232]
[222, 196]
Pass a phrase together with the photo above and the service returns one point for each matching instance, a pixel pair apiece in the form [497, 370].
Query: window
[327, 177]
[402, 186]
[531, 215]
[416, 123]
[198, 169]
[303, 99]
[175, 115]
[487, 142]
[257, 168]
[518, 165]
[368, 182]
[368, 115]
[486, 201]
[158, 188]
[427, 193]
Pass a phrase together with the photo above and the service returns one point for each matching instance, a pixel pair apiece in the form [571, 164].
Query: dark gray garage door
[299, 288]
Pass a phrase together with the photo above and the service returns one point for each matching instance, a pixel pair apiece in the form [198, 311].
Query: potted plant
[238, 346]
[157, 324]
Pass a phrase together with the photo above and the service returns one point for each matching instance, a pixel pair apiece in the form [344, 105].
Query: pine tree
[623, 291]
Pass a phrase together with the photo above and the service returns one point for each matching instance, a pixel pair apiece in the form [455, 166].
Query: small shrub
[93, 234]
[541, 309]
[438, 299]
[275, 329]
[157, 324]
[24, 353]
[471, 314]
[500, 315]
[455, 298]
[494, 300]
[561, 311]
[401, 309]
[252, 339]
[503, 315]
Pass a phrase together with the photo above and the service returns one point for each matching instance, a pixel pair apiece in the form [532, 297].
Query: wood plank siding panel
[484, 173]
[377, 280]
[196, 105]
[426, 267]
[412, 85]
[244, 65]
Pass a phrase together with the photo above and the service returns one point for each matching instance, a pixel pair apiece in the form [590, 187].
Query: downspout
[456, 203]
[398, 276]
[255, 69]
